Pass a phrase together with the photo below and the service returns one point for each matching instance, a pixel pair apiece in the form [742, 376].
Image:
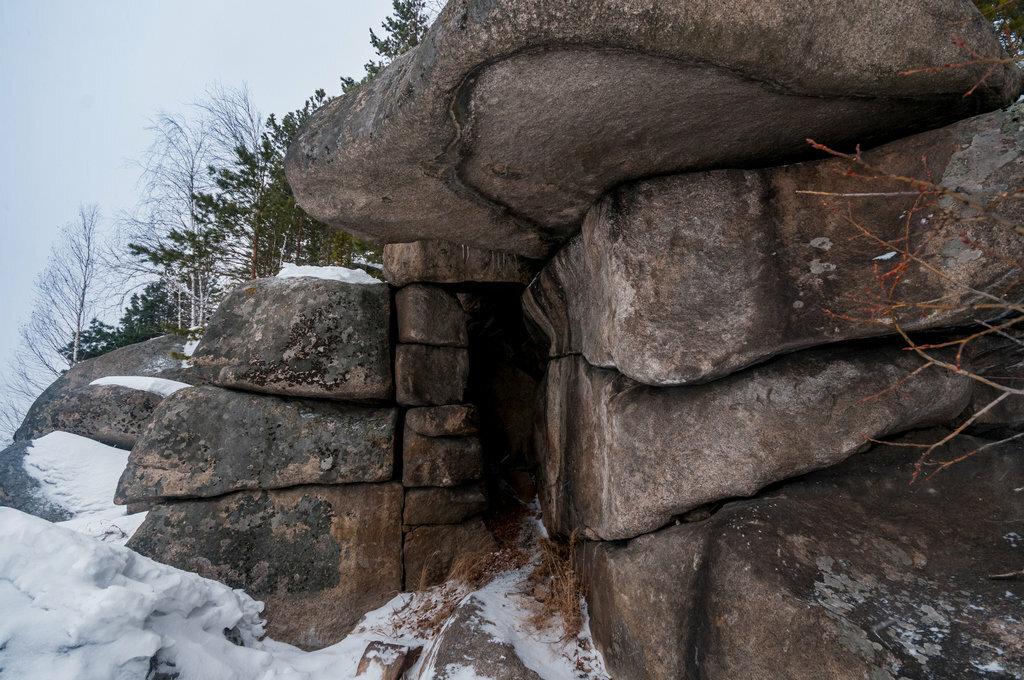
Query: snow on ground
[507, 610]
[80, 475]
[294, 271]
[76, 604]
[158, 386]
[79, 609]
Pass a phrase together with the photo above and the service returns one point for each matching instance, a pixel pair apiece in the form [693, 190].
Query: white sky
[80, 80]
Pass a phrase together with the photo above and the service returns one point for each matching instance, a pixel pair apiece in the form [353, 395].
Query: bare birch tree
[68, 294]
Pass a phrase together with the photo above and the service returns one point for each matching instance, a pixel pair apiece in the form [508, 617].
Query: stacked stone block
[442, 458]
[279, 476]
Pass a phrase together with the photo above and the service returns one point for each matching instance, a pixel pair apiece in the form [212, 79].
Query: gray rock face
[468, 642]
[19, 490]
[689, 278]
[619, 459]
[466, 137]
[443, 421]
[874, 578]
[432, 551]
[1002, 361]
[109, 414]
[429, 315]
[208, 441]
[443, 506]
[302, 337]
[428, 376]
[440, 461]
[445, 262]
[160, 358]
[320, 557]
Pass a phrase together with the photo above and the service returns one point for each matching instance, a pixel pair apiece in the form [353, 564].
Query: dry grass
[557, 587]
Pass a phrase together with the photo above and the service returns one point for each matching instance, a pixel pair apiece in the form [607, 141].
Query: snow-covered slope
[80, 475]
[75, 608]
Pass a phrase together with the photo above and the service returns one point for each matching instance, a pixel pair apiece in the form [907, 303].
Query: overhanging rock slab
[512, 117]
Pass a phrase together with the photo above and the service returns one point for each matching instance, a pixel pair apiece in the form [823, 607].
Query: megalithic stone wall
[285, 489]
[312, 445]
[709, 332]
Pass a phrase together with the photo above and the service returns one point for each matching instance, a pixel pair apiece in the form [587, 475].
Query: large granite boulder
[21, 491]
[445, 262]
[849, 573]
[619, 459]
[302, 337]
[114, 414]
[111, 414]
[688, 278]
[208, 441]
[512, 117]
[319, 556]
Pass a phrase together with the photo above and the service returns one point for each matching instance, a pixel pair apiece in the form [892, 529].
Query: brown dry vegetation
[557, 587]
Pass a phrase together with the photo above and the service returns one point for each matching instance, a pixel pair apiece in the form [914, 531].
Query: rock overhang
[512, 117]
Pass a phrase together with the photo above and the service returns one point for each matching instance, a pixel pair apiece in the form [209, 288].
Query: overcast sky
[80, 80]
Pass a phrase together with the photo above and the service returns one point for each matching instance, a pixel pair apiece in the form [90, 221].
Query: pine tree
[403, 30]
[252, 218]
[149, 313]
[1008, 17]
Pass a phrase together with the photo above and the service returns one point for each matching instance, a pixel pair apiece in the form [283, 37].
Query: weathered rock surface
[302, 337]
[443, 505]
[466, 138]
[848, 573]
[432, 551]
[446, 262]
[440, 461]
[159, 358]
[443, 421]
[110, 414]
[320, 557]
[19, 490]
[468, 648]
[429, 315]
[619, 459]
[688, 278]
[1001, 361]
[429, 376]
[209, 441]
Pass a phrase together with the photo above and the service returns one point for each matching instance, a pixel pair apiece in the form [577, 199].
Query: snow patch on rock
[159, 386]
[343, 274]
